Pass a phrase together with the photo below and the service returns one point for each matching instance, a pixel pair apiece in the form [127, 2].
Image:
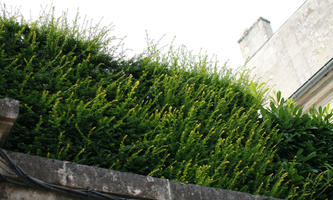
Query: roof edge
[327, 68]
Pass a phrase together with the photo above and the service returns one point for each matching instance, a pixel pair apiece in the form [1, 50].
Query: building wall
[301, 46]
[318, 90]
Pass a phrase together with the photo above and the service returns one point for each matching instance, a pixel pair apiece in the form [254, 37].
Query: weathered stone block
[124, 184]
[9, 109]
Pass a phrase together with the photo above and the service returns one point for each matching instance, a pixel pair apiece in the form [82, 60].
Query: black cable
[5, 168]
[28, 181]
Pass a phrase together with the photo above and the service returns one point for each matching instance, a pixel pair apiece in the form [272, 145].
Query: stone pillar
[9, 109]
[254, 37]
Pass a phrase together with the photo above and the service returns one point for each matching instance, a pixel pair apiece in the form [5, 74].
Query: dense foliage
[171, 117]
[307, 141]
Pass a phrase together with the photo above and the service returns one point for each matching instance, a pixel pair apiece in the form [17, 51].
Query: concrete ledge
[119, 183]
[15, 192]
[9, 109]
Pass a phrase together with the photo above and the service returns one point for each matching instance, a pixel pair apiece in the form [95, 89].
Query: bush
[171, 117]
[307, 139]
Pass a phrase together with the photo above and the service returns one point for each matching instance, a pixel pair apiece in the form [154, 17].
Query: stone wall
[296, 51]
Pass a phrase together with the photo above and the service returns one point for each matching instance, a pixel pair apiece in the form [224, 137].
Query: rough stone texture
[114, 182]
[9, 109]
[15, 192]
[301, 46]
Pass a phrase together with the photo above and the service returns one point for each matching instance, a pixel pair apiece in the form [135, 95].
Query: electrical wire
[30, 181]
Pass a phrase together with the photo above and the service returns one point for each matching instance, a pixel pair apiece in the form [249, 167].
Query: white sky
[211, 25]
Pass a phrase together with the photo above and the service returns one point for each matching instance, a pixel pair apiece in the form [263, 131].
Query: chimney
[255, 37]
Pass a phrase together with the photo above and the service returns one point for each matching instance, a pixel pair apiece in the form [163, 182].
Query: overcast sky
[211, 25]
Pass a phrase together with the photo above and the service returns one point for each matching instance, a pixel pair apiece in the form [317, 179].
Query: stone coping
[78, 176]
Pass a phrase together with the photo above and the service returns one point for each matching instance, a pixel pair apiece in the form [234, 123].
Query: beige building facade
[297, 58]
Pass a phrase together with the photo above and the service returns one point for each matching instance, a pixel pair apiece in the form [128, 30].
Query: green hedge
[165, 117]
[307, 142]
